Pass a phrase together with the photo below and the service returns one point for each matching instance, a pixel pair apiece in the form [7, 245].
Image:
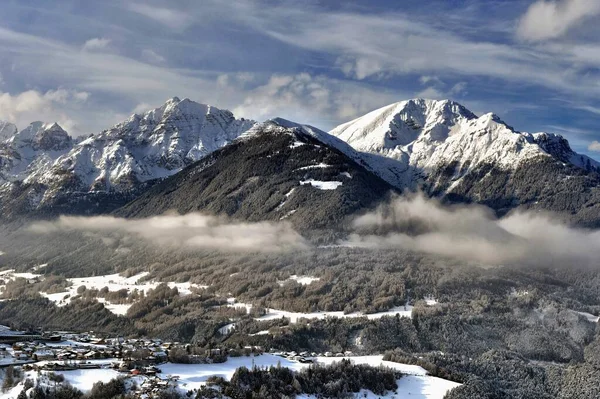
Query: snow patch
[287, 195]
[304, 280]
[318, 166]
[430, 301]
[590, 317]
[227, 329]
[322, 185]
[263, 332]
[272, 314]
[287, 215]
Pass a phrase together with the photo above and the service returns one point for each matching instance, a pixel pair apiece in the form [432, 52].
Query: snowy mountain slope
[424, 135]
[384, 167]
[24, 153]
[43, 166]
[448, 152]
[154, 145]
[278, 170]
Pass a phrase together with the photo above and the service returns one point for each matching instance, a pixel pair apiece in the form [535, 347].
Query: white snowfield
[80, 379]
[415, 383]
[11, 275]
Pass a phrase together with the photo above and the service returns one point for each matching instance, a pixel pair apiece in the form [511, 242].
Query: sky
[90, 64]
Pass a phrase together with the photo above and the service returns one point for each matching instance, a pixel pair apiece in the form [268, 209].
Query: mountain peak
[52, 137]
[401, 123]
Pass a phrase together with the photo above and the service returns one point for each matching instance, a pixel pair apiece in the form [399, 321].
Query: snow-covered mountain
[439, 147]
[278, 170]
[142, 149]
[154, 145]
[25, 154]
[426, 135]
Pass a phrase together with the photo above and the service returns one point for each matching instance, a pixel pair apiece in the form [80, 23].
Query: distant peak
[284, 123]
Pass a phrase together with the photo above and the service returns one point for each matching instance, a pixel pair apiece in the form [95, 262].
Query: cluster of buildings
[77, 348]
[308, 357]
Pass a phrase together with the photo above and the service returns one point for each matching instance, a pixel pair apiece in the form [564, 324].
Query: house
[43, 354]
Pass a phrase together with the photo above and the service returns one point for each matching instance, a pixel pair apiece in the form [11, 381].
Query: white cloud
[51, 106]
[96, 44]
[472, 232]
[428, 79]
[594, 146]
[552, 19]
[191, 231]
[142, 107]
[458, 88]
[370, 45]
[304, 98]
[430, 93]
[174, 19]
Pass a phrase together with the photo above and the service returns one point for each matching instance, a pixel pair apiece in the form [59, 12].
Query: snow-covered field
[272, 314]
[403, 311]
[415, 383]
[116, 282]
[80, 379]
[10, 274]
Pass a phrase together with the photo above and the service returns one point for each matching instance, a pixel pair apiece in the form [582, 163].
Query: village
[141, 359]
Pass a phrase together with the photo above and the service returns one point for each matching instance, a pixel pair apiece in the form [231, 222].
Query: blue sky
[89, 64]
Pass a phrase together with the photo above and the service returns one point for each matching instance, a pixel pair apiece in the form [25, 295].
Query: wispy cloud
[169, 17]
[551, 19]
[594, 146]
[191, 231]
[95, 44]
[473, 233]
[357, 57]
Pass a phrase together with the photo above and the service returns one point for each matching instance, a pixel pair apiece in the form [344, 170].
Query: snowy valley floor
[415, 384]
